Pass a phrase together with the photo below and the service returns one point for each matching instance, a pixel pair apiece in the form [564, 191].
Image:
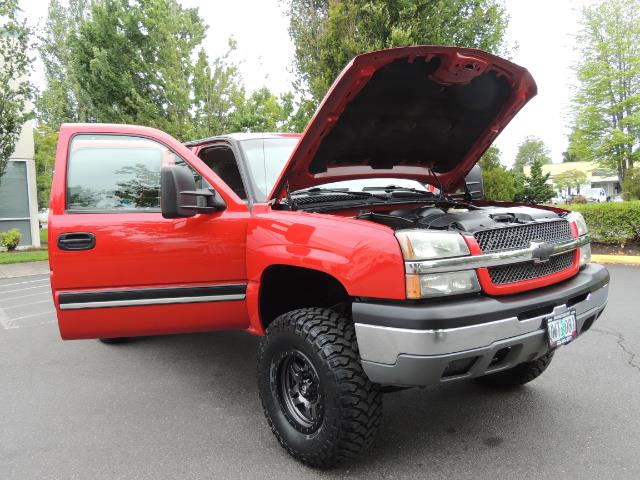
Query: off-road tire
[115, 340]
[352, 405]
[518, 375]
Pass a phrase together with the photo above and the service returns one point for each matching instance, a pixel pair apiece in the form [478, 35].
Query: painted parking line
[8, 323]
[23, 289]
[22, 283]
[29, 295]
[48, 300]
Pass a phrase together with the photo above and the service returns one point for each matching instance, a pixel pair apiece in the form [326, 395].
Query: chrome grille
[520, 236]
[519, 272]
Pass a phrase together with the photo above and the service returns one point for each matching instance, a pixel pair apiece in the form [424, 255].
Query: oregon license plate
[562, 329]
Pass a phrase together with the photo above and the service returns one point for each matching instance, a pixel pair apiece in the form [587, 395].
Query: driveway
[186, 406]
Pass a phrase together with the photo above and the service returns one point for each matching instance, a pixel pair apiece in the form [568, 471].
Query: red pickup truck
[361, 251]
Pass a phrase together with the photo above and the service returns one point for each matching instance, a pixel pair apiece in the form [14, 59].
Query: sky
[543, 30]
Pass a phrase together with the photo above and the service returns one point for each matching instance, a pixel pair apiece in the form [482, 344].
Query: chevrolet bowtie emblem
[541, 252]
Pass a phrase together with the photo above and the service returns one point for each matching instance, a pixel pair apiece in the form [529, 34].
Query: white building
[596, 177]
[18, 191]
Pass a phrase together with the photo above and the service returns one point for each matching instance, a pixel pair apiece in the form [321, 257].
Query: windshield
[266, 157]
[360, 185]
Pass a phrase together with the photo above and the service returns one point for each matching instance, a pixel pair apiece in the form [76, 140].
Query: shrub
[10, 238]
[611, 222]
[578, 199]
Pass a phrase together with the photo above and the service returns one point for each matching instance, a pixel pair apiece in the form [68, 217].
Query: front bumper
[428, 343]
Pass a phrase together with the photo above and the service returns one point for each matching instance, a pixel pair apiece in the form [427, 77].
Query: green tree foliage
[45, 154]
[217, 92]
[133, 62]
[531, 150]
[534, 188]
[15, 89]
[262, 111]
[142, 63]
[327, 34]
[607, 103]
[631, 185]
[499, 184]
[63, 100]
[570, 179]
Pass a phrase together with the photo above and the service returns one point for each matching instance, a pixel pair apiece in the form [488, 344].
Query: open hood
[405, 113]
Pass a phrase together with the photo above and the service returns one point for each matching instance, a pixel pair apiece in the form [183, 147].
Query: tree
[499, 184]
[532, 149]
[570, 179]
[134, 65]
[217, 92]
[328, 33]
[123, 62]
[534, 188]
[45, 156]
[15, 89]
[631, 185]
[262, 111]
[606, 106]
[63, 100]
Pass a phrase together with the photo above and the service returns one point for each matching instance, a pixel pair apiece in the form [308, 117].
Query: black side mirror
[474, 186]
[180, 198]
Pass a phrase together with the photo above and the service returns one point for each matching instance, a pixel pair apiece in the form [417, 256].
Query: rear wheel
[518, 375]
[318, 401]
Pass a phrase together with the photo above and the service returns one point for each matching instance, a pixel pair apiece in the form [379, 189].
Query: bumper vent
[519, 272]
[520, 236]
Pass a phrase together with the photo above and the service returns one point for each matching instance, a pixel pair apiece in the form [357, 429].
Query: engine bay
[459, 217]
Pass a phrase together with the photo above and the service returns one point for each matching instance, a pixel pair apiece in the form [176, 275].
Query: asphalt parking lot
[186, 406]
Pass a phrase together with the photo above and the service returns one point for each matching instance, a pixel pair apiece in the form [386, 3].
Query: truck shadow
[421, 427]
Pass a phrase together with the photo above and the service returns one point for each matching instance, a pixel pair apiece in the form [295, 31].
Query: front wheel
[518, 375]
[318, 401]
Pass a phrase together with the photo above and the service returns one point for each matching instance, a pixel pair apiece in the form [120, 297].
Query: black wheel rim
[299, 391]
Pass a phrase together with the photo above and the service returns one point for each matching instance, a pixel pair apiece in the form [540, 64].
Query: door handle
[76, 241]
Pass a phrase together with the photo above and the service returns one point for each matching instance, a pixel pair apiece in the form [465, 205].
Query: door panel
[144, 274]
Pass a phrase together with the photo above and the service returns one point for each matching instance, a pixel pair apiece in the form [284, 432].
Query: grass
[43, 236]
[23, 256]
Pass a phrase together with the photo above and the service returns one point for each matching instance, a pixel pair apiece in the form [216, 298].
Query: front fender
[364, 257]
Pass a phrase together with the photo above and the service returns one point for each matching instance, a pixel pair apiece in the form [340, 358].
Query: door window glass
[118, 173]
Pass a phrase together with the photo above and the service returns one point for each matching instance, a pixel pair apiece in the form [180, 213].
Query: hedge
[611, 222]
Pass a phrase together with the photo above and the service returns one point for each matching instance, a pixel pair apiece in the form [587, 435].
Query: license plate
[562, 329]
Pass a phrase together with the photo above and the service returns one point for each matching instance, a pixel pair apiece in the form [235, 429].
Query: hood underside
[406, 113]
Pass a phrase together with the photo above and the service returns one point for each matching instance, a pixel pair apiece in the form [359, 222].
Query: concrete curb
[24, 269]
[616, 259]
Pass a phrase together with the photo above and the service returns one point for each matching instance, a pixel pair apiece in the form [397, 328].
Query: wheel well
[284, 288]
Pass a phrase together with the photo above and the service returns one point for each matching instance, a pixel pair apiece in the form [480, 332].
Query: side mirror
[179, 197]
[474, 186]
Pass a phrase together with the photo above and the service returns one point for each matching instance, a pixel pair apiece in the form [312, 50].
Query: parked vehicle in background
[594, 195]
[43, 217]
[616, 198]
[346, 248]
[558, 200]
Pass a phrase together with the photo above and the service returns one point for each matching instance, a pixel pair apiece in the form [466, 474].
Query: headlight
[419, 245]
[578, 219]
[425, 245]
[439, 284]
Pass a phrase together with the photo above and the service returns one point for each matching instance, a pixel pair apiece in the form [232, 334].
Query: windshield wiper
[396, 188]
[334, 190]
